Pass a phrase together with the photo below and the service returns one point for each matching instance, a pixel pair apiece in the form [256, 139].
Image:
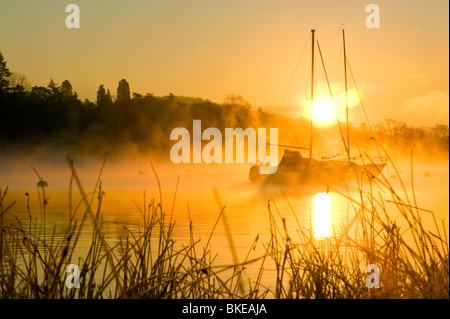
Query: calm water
[124, 183]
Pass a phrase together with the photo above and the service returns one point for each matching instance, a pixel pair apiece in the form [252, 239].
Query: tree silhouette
[55, 92]
[39, 93]
[103, 97]
[4, 74]
[233, 99]
[66, 89]
[123, 92]
[19, 82]
[137, 96]
[109, 100]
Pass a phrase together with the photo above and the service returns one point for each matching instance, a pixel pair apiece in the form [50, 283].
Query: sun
[323, 111]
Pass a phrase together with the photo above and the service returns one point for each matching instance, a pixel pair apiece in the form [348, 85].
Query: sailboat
[297, 169]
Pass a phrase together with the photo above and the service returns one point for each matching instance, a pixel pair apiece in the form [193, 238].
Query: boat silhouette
[297, 169]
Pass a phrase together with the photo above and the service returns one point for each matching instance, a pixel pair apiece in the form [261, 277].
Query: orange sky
[212, 48]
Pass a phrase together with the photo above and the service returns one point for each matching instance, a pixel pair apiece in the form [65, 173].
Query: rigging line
[365, 114]
[293, 74]
[331, 94]
[289, 146]
[338, 71]
[329, 148]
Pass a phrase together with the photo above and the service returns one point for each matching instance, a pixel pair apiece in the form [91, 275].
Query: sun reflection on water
[322, 215]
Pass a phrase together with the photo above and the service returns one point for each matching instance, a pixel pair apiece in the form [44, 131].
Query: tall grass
[413, 262]
[148, 263]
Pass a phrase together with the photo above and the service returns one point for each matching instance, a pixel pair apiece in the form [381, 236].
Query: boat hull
[295, 169]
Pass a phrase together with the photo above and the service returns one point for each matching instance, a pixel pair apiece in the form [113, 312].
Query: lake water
[125, 180]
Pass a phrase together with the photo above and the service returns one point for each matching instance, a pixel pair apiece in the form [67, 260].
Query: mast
[331, 95]
[346, 96]
[312, 93]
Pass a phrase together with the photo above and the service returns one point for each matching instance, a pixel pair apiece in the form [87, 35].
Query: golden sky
[248, 47]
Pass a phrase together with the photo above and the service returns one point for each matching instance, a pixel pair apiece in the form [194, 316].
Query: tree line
[54, 114]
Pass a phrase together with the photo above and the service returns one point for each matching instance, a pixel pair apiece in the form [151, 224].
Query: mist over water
[125, 179]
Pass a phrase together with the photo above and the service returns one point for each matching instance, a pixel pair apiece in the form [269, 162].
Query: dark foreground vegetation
[151, 264]
[33, 116]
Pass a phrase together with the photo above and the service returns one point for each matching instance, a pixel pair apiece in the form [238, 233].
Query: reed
[148, 263]
[335, 267]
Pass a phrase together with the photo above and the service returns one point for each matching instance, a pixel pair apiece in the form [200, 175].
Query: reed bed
[413, 262]
[148, 263]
